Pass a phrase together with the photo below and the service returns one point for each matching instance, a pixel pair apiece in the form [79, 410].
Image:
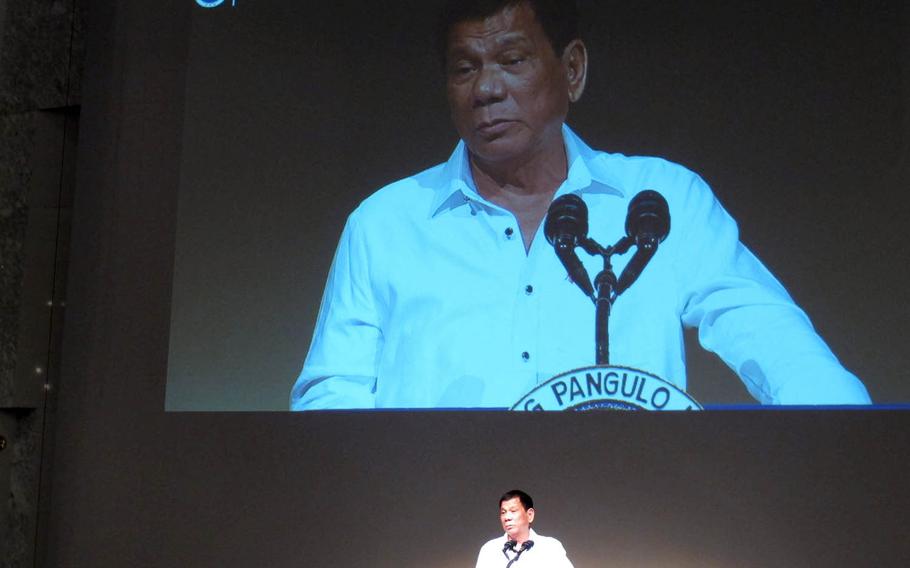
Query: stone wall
[40, 69]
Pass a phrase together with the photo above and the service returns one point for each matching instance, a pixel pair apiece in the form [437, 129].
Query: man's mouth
[494, 127]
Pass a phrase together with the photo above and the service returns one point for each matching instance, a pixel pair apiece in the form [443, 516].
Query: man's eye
[462, 69]
[514, 60]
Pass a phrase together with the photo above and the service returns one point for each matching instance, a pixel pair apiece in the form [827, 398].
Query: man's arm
[340, 368]
[745, 316]
[560, 558]
[487, 557]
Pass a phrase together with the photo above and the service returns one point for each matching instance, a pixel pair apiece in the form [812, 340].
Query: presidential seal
[606, 388]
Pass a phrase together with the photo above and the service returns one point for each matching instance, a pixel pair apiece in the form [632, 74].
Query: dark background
[795, 113]
[811, 109]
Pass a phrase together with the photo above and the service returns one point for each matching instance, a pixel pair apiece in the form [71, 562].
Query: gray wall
[135, 486]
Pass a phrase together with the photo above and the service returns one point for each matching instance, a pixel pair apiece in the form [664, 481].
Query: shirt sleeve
[341, 366]
[747, 317]
[560, 558]
[487, 557]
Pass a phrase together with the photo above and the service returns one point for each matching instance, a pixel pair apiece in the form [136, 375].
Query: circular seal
[606, 388]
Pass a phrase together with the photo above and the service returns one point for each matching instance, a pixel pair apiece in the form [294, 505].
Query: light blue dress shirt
[432, 301]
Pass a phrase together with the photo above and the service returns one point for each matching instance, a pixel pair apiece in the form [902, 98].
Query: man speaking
[520, 545]
[444, 292]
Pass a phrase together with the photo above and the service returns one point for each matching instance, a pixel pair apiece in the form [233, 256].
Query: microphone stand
[567, 227]
[604, 283]
[604, 294]
[526, 546]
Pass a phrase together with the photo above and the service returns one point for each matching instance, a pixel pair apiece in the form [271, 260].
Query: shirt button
[509, 232]
[529, 289]
[525, 356]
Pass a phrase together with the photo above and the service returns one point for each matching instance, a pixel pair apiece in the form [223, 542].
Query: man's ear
[575, 62]
[531, 515]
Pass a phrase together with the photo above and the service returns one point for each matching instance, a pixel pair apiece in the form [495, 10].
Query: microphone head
[527, 544]
[510, 545]
[648, 220]
[566, 217]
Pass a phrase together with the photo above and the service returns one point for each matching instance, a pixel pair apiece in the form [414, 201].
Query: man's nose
[488, 87]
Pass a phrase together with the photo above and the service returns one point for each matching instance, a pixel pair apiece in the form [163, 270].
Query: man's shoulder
[539, 539]
[406, 195]
[547, 539]
[639, 167]
[619, 167]
[495, 543]
[679, 185]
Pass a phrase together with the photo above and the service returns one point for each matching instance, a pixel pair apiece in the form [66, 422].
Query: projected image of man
[444, 292]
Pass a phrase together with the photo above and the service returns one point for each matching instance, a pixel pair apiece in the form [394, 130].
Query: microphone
[647, 224]
[565, 228]
[524, 546]
[509, 545]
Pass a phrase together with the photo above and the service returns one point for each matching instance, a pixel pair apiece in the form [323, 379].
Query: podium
[606, 387]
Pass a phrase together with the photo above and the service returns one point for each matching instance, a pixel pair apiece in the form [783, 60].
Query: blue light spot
[213, 3]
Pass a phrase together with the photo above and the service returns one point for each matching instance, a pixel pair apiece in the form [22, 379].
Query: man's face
[516, 520]
[508, 91]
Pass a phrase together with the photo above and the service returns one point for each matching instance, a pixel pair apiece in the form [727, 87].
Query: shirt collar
[531, 534]
[587, 173]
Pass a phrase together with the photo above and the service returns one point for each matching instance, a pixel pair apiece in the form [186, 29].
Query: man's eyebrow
[514, 39]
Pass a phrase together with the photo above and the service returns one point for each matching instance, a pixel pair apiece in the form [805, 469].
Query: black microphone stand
[604, 294]
[567, 227]
[526, 546]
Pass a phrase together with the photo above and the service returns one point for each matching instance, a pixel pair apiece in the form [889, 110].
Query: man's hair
[558, 18]
[525, 499]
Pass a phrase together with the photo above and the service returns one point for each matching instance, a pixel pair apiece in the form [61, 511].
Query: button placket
[527, 319]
